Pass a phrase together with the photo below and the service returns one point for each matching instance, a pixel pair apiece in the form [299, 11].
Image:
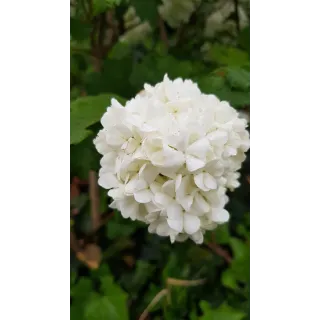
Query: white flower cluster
[219, 20]
[169, 156]
[135, 30]
[176, 12]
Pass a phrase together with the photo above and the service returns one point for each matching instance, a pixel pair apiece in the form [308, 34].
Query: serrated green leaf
[224, 312]
[86, 111]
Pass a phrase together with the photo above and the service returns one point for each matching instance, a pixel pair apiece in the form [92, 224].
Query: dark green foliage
[134, 265]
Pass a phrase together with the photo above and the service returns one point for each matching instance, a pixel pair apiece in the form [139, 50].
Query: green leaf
[102, 308]
[227, 56]
[228, 279]
[119, 227]
[240, 266]
[85, 150]
[235, 98]
[142, 273]
[146, 10]
[244, 39]
[115, 299]
[222, 234]
[100, 6]
[79, 30]
[80, 290]
[240, 249]
[86, 111]
[238, 78]
[218, 86]
[224, 312]
[153, 68]
[113, 78]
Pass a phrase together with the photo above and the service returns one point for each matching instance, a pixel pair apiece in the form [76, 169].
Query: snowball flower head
[169, 157]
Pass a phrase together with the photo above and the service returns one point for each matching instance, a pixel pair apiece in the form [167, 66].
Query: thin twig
[94, 200]
[163, 33]
[74, 245]
[236, 4]
[219, 250]
[185, 283]
[154, 301]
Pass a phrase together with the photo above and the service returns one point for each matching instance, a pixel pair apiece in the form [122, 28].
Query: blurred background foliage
[118, 270]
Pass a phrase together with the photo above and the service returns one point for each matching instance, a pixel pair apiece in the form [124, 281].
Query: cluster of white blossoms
[176, 12]
[135, 30]
[169, 156]
[219, 20]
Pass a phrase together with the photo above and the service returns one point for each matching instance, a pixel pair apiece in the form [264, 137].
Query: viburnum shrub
[169, 156]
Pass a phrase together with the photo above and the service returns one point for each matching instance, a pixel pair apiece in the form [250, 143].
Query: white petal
[131, 186]
[209, 181]
[129, 208]
[172, 158]
[194, 163]
[174, 212]
[162, 199]
[124, 131]
[199, 181]
[230, 151]
[152, 227]
[191, 224]
[151, 217]
[168, 188]
[143, 196]
[218, 137]
[176, 225]
[197, 237]
[178, 181]
[141, 185]
[169, 172]
[114, 205]
[108, 180]
[155, 187]
[220, 215]
[157, 158]
[151, 207]
[116, 103]
[108, 161]
[172, 237]
[202, 204]
[148, 172]
[181, 237]
[116, 193]
[199, 148]
[185, 201]
[163, 229]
